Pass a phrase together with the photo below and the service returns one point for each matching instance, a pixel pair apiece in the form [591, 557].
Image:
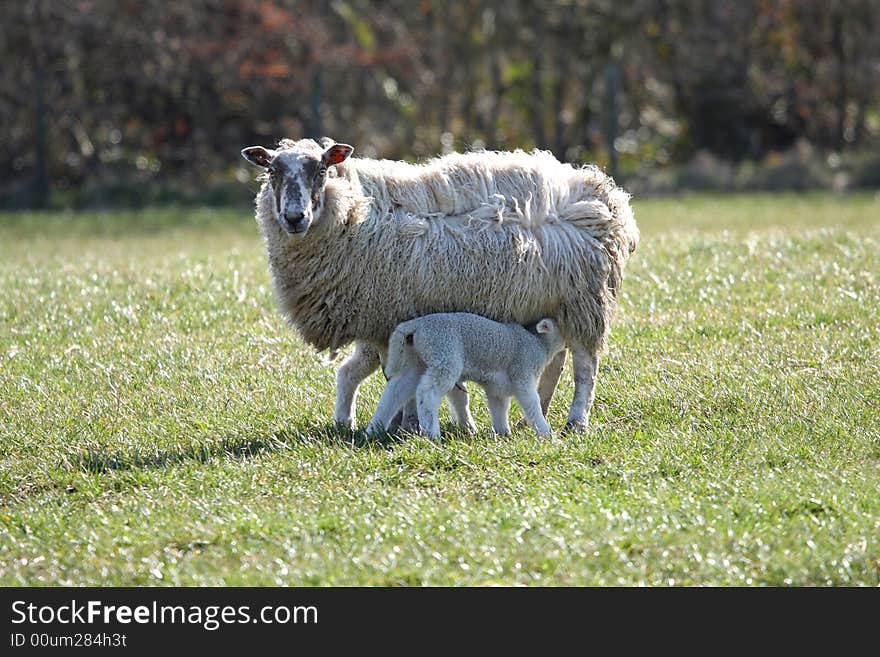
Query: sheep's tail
[399, 344]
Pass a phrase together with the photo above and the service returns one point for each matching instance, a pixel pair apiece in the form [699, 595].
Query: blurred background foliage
[141, 101]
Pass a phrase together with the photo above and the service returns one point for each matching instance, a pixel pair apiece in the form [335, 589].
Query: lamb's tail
[399, 346]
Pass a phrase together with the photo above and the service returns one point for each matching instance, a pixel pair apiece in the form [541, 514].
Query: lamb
[429, 356]
[357, 246]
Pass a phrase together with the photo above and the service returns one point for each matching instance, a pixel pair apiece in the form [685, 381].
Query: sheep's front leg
[499, 408]
[358, 366]
[530, 402]
[549, 379]
[459, 403]
[585, 365]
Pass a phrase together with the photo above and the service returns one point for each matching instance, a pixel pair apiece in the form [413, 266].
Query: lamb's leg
[530, 402]
[549, 379]
[585, 365]
[363, 361]
[459, 402]
[499, 407]
[398, 391]
[434, 384]
[409, 417]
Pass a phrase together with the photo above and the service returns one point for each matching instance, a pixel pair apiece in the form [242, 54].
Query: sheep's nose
[295, 222]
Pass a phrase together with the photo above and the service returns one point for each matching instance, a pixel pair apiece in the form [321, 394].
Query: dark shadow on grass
[102, 460]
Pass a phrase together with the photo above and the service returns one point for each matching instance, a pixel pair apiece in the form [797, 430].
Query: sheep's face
[297, 177]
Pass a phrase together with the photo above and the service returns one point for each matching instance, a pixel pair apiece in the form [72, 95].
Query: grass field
[160, 425]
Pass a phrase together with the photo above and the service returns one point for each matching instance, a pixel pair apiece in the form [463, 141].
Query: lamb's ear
[544, 326]
[258, 156]
[336, 153]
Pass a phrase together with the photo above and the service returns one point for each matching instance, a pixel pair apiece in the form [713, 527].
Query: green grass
[160, 425]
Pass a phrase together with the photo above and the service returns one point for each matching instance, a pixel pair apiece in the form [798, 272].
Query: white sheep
[429, 356]
[357, 246]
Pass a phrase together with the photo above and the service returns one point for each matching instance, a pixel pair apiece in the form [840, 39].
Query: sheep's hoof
[345, 423]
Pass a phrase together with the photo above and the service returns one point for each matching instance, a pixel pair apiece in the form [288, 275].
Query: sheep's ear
[336, 153]
[544, 326]
[258, 156]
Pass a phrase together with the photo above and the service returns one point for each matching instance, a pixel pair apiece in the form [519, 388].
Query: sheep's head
[297, 175]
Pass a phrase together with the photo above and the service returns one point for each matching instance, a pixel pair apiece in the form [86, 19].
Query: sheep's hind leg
[549, 379]
[585, 365]
[459, 403]
[363, 361]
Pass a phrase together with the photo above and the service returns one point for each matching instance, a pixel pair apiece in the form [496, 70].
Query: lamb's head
[297, 176]
[548, 333]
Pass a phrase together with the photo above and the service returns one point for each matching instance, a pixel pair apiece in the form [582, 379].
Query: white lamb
[430, 355]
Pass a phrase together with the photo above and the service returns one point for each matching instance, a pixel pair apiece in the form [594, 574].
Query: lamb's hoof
[575, 426]
[375, 430]
[345, 424]
[408, 425]
[432, 434]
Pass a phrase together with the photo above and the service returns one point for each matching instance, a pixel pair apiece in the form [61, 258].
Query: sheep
[356, 246]
[431, 355]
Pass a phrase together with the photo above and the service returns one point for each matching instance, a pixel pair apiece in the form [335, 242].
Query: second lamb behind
[429, 355]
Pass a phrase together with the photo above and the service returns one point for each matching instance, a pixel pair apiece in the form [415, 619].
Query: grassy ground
[160, 425]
